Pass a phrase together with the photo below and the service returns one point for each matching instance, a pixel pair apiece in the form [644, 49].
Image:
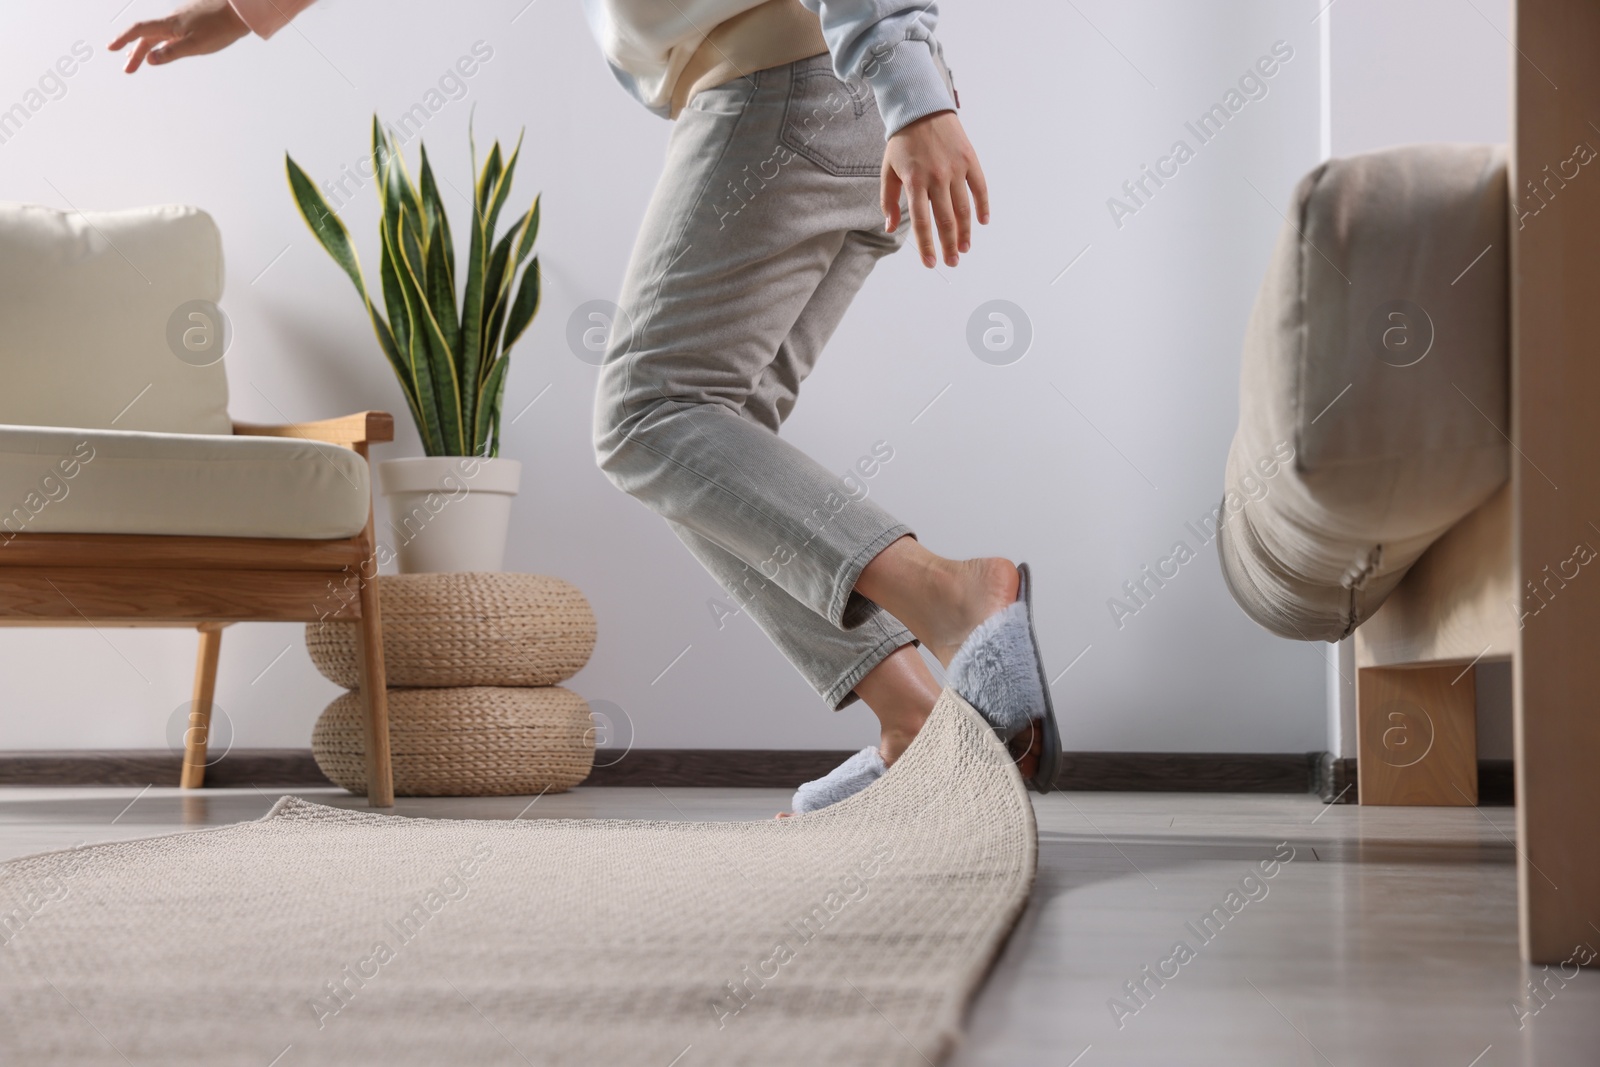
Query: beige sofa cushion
[1377, 355]
[85, 305]
[63, 480]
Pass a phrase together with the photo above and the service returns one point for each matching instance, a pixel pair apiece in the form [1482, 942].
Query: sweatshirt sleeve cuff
[267, 17]
[909, 83]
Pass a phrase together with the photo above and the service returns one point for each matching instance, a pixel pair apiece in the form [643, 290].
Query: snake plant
[450, 357]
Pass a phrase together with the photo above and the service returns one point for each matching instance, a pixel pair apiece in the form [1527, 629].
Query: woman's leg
[748, 256]
[763, 227]
[834, 661]
[728, 302]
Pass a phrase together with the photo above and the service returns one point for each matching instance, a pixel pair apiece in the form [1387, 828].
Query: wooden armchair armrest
[362, 428]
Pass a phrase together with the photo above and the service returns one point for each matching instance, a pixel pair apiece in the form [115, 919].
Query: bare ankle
[901, 692]
[976, 589]
[892, 744]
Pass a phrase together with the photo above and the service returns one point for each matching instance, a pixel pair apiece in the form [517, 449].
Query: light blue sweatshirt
[888, 44]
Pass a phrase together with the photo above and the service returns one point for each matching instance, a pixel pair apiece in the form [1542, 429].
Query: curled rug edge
[916, 947]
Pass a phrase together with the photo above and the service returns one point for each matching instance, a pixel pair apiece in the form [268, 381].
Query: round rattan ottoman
[464, 742]
[476, 628]
[472, 662]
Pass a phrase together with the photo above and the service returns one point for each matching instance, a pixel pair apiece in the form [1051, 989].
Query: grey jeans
[763, 226]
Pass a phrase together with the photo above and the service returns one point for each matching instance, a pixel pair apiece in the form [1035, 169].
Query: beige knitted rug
[319, 936]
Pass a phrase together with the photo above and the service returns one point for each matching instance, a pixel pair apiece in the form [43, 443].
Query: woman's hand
[195, 29]
[934, 162]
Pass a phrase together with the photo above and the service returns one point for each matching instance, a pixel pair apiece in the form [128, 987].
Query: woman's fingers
[889, 197]
[944, 219]
[162, 28]
[980, 190]
[963, 208]
[921, 220]
[141, 50]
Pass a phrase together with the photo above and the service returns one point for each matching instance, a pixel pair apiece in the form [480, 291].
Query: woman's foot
[844, 781]
[976, 618]
[1000, 672]
[901, 692]
[941, 601]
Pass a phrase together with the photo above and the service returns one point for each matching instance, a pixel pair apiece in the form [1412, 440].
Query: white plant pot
[448, 513]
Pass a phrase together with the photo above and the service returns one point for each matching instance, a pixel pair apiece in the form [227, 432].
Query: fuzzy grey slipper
[1000, 671]
[845, 780]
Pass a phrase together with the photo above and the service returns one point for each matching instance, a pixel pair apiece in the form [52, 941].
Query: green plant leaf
[440, 358]
[434, 439]
[415, 370]
[335, 239]
[410, 198]
[391, 211]
[500, 282]
[441, 295]
[325, 225]
[451, 364]
[502, 189]
[531, 232]
[418, 366]
[490, 396]
[524, 307]
[489, 179]
[390, 280]
[496, 291]
[470, 350]
[436, 220]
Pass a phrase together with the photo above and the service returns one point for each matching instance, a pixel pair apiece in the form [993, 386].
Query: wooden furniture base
[1416, 663]
[141, 580]
[1516, 580]
[1416, 736]
[1555, 392]
[197, 735]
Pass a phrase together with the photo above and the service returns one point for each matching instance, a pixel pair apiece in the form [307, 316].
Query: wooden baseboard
[1336, 781]
[241, 768]
[1188, 772]
[1164, 772]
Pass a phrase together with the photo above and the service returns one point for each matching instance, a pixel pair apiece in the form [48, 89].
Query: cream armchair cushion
[1377, 358]
[63, 480]
[85, 301]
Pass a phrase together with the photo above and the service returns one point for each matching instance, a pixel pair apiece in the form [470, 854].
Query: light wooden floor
[1388, 938]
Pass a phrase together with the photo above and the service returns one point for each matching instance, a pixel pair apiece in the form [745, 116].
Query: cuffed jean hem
[841, 612]
[842, 693]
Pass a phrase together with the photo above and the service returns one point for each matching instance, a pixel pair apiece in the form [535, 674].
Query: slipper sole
[1043, 779]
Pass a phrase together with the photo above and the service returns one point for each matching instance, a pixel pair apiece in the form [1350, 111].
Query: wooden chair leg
[197, 736]
[369, 649]
[1417, 735]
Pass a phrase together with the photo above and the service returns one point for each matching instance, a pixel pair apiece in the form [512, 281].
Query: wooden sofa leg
[197, 736]
[369, 655]
[1417, 735]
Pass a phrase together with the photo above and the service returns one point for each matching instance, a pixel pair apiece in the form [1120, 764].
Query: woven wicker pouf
[495, 629]
[464, 742]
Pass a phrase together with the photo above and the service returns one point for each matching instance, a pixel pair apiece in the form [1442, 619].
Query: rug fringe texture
[319, 936]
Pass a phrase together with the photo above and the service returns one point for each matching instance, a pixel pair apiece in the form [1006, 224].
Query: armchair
[128, 497]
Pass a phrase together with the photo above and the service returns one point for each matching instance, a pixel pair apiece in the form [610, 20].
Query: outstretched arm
[204, 26]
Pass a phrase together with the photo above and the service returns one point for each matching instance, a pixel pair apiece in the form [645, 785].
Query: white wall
[1087, 457]
[1425, 70]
